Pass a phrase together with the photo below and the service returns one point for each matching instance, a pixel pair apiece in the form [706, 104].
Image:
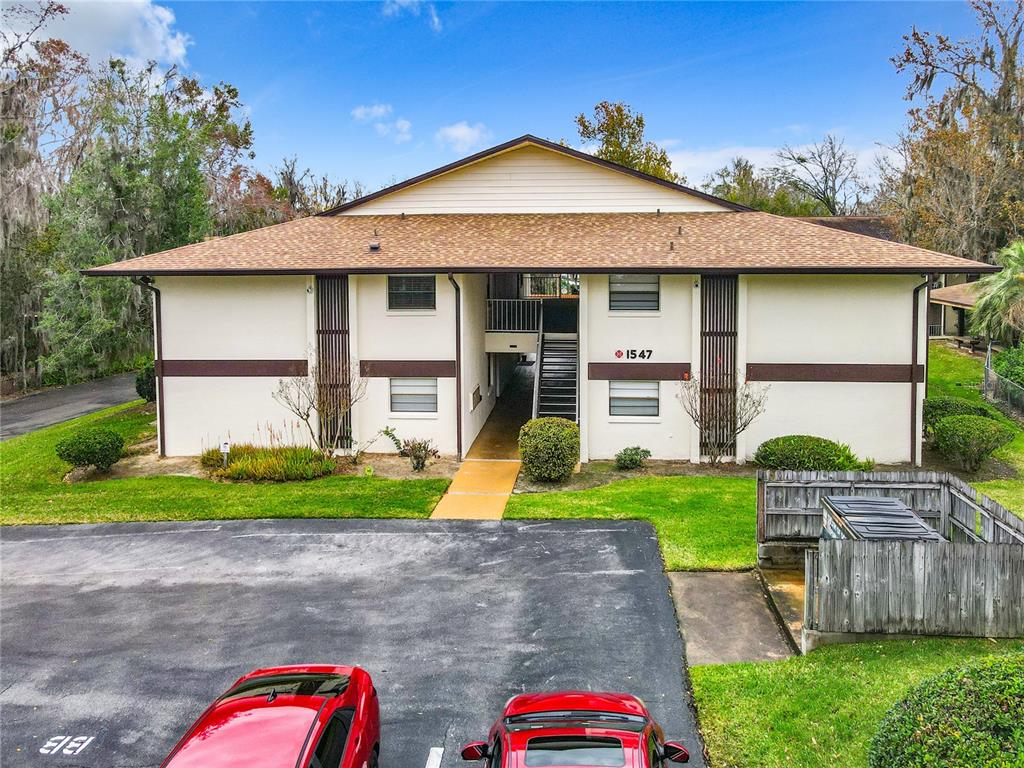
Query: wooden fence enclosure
[914, 588]
[970, 585]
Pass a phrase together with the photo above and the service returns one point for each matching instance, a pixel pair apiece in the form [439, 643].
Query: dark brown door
[718, 362]
[333, 367]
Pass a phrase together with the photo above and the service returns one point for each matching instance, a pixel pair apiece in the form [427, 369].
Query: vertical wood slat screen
[333, 367]
[718, 357]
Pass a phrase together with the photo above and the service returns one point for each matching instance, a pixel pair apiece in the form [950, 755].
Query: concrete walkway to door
[482, 486]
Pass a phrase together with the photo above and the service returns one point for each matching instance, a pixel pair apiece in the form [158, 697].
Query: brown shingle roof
[573, 242]
[883, 227]
[963, 295]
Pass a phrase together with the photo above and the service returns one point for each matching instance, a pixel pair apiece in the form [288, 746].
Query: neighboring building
[620, 283]
[949, 306]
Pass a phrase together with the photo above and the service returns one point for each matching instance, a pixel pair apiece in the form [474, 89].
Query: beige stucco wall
[667, 333]
[230, 318]
[533, 180]
[835, 319]
[474, 357]
[383, 334]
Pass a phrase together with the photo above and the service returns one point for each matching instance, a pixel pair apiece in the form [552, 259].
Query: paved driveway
[51, 406]
[124, 633]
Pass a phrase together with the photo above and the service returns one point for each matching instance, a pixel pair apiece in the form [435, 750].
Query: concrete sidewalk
[725, 618]
[482, 486]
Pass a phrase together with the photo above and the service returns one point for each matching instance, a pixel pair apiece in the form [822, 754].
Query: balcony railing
[514, 314]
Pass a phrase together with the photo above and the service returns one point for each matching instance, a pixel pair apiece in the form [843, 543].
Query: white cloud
[462, 137]
[366, 112]
[135, 30]
[399, 131]
[414, 8]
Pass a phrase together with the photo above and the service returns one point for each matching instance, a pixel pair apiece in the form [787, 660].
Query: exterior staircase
[558, 376]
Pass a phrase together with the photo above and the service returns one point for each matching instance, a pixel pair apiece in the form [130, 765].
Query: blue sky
[382, 91]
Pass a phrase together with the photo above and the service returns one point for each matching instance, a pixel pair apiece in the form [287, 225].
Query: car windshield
[290, 684]
[590, 751]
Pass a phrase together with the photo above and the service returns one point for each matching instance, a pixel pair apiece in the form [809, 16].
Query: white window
[414, 395]
[634, 292]
[412, 292]
[633, 398]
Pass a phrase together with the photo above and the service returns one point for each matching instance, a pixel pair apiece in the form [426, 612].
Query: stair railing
[539, 362]
[576, 404]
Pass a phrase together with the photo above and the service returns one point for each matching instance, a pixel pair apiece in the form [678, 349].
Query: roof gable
[532, 175]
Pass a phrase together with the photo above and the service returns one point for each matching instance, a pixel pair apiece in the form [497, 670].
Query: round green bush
[91, 447]
[806, 452]
[969, 440]
[145, 383]
[549, 449]
[938, 408]
[631, 458]
[969, 715]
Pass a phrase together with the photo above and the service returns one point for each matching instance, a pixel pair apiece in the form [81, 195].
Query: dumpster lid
[880, 517]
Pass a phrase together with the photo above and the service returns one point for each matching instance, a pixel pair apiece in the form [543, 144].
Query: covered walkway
[482, 486]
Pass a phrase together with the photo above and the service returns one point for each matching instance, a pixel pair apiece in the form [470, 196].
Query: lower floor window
[633, 398]
[414, 395]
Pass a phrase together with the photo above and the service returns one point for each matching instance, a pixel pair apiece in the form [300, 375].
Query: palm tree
[999, 309]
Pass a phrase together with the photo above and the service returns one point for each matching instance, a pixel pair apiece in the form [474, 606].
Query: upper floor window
[412, 292]
[634, 292]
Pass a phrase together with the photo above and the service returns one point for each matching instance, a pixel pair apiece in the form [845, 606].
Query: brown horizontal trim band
[924, 271]
[444, 369]
[232, 367]
[880, 373]
[638, 371]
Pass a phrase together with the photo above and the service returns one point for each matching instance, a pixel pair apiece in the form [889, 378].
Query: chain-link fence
[999, 389]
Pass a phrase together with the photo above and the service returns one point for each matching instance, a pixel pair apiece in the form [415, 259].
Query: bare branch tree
[322, 400]
[826, 172]
[310, 194]
[717, 434]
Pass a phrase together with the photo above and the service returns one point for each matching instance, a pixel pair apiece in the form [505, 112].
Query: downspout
[458, 364]
[158, 365]
[915, 332]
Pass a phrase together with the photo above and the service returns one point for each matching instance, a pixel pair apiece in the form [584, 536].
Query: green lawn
[703, 523]
[951, 373]
[820, 710]
[33, 490]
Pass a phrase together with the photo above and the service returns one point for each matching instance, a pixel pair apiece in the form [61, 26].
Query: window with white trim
[633, 398]
[410, 395]
[634, 293]
[412, 292]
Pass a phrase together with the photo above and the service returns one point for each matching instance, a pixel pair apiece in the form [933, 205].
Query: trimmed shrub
[938, 408]
[145, 383]
[969, 440]
[631, 458]
[261, 464]
[807, 452]
[549, 448]
[91, 447]
[1010, 364]
[418, 451]
[969, 715]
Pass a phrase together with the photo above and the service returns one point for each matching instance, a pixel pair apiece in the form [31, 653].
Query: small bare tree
[322, 401]
[718, 430]
[826, 172]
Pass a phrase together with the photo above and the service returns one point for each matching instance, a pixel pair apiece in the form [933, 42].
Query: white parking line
[113, 535]
[434, 758]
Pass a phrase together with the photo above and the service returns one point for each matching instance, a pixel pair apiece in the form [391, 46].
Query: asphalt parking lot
[119, 635]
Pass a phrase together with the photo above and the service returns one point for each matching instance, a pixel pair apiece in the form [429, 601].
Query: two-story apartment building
[618, 285]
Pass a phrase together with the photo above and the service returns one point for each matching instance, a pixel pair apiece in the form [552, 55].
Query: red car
[287, 717]
[575, 728]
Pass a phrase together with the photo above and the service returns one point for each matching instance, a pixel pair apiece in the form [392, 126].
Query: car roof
[260, 730]
[575, 701]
